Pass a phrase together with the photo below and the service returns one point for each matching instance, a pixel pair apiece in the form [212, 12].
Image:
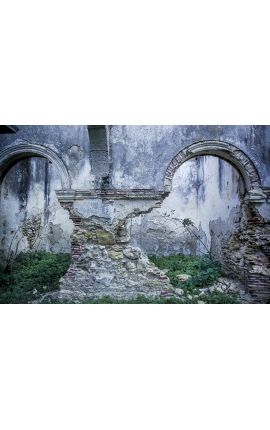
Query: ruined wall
[114, 177]
[104, 263]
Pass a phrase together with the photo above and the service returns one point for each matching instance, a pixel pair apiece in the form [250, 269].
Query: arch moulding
[227, 152]
[22, 149]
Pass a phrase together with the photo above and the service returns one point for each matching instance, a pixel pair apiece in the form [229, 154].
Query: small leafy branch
[211, 272]
[189, 225]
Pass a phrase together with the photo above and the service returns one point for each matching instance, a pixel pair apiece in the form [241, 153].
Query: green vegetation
[107, 300]
[35, 274]
[204, 272]
[32, 275]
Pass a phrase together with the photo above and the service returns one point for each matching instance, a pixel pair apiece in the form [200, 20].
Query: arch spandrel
[22, 149]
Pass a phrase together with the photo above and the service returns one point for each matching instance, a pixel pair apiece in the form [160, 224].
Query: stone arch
[227, 152]
[21, 149]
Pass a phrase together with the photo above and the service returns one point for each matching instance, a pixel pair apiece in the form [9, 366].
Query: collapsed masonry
[103, 261]
[247, 253]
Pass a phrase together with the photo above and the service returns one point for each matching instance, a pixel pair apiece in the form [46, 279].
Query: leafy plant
[204, 271]
[33, 275]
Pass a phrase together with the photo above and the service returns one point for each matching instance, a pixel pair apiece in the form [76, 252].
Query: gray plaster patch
[94, 207]
[55, 233]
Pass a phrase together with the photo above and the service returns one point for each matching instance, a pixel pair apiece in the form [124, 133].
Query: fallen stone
[223, 281]
[222, 286]
[179, 291]
[204, 290]
[183, 277]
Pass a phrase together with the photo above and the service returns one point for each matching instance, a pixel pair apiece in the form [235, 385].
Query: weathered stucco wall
[70, 143]
[31, 215]
[204, 189]
[141, 154]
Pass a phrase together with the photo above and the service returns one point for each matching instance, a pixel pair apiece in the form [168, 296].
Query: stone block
[183, 277]
[132, 255]
[105, 237]
[130, 265]
[115, 255]
[179, 291]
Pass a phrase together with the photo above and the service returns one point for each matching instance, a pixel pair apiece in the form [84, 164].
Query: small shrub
[204, 271]
[33, 275]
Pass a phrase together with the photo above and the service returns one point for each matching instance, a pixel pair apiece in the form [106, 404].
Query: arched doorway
[205, 189]
[31, 216]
